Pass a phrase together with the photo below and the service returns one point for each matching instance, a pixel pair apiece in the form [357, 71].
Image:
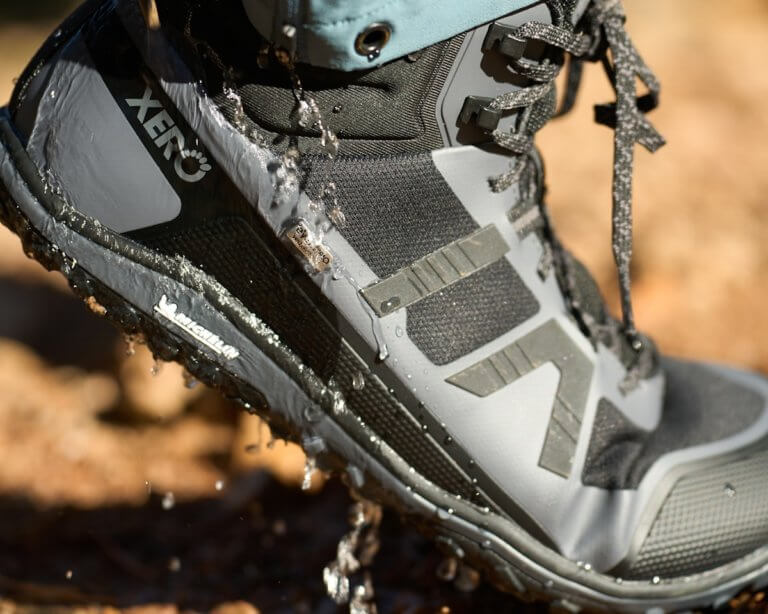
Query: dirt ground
[124, 490]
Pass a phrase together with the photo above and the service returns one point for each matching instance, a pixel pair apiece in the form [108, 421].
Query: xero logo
[190, 165]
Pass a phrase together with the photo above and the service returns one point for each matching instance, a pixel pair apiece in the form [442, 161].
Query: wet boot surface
[131, 490]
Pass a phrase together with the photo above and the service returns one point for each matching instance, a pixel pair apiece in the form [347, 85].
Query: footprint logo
[191, 165]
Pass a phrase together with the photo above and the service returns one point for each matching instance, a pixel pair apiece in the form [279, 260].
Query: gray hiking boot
[344, 230]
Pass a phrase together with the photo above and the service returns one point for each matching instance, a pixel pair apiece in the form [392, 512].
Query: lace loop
[604, 32]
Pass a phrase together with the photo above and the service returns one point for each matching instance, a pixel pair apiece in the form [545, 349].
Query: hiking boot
[335, 216]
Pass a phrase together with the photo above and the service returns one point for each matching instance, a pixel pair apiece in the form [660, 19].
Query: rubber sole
[267, 379]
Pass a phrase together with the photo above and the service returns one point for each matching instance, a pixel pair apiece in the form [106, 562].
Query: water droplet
[69, 574]
[169, 500]
[587, 567]
[52, 94]
[383, 352]
[310, 465]
[424, 428]
[339, 404]
[467, 579]
[313, 414]
[190, 382]
[337, 108]
[358, 381]
[174, 565]
[656, 580]
[619, 580]
[390, 305]
[373, 55]
[486, 544]
[729, 490]
[446, 570]
[148, 486]
[130, 346]
[219, 485]
[448, 440]
[155, 368]
[337, 217]
[399, 332]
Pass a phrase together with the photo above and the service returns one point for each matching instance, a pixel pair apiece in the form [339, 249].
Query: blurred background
[121, 487]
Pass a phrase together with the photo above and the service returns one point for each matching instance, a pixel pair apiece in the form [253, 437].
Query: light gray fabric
[700, 406]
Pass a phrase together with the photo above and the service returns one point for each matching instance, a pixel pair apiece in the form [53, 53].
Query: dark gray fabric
[391, 109]
[586, 292]
[397, 208]
[700, 406]
[224, 248]
[388, 108]
[710, 518]
[471, 313]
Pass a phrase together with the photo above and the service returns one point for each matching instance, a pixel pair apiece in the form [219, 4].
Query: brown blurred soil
[94, 446]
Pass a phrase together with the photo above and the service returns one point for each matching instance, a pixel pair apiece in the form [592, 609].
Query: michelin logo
[190, 164]
[170, 311]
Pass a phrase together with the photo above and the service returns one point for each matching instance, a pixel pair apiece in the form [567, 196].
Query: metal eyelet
[372, 40]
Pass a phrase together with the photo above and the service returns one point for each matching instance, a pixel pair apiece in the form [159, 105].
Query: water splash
[169, 501]
[355, 551]
[156, 367]
[467, 579]
[310, 466]
[358, 381]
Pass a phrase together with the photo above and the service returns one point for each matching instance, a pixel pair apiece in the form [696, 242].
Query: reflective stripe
[547, 344]
[436, 271]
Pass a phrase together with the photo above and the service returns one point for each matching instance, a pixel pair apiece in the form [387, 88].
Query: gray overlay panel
[437, 271]
[547, 344]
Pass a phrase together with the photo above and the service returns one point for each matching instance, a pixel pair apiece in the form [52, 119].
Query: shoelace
[605, 23]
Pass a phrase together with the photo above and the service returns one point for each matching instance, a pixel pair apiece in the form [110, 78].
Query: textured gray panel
[437, 271]
[710, 518]
[547, 344]
[701, 406]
